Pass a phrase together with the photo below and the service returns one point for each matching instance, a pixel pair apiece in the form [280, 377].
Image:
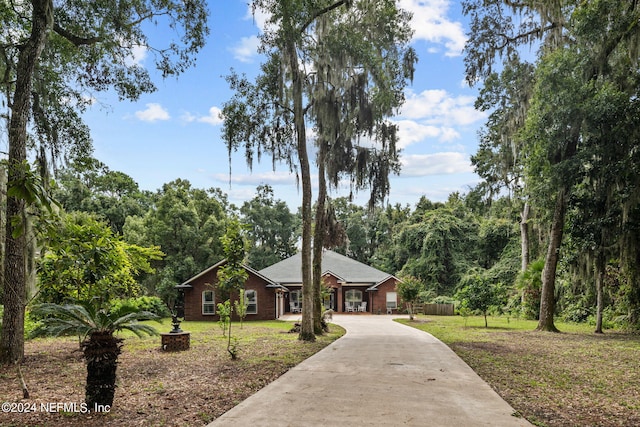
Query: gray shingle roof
[349, 270]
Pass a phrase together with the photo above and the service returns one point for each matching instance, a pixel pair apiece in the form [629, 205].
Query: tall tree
[499, 158]
[271, 116]
[271, 227]
[186, 223]
[495, 30]
[88, 185]
[53, 54]
[588, 53]
[362, 64]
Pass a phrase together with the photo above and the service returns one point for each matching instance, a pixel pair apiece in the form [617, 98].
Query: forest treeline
[176, 231]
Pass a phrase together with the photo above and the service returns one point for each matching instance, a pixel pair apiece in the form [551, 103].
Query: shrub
[145, 303]
[31, 323]
[443, 299]
[529, 285]
[577, 311]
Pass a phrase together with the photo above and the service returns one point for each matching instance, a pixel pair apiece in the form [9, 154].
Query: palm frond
[85, 319]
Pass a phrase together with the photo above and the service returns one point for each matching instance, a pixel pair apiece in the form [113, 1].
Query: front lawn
[575, 378]
[156, 388]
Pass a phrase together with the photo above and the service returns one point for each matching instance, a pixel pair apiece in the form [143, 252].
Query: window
[353, 295]
[208, 302]
[392, 300]
[251, 301]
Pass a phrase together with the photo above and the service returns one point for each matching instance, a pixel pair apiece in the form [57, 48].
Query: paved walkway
[381, 373]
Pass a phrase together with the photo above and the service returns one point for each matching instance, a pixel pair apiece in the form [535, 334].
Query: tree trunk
[306, 329]
[524, 236]
[12, 341]
[101, 353]
[318, 240]
[599, 273]
[547, 297]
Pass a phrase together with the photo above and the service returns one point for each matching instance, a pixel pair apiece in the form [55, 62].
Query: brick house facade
[351, 287]
[200, 294]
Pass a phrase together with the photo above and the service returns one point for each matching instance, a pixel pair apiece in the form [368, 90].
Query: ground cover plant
[156, 388]
[574, 378]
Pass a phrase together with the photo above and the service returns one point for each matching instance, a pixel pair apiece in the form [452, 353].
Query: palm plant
[101, 348]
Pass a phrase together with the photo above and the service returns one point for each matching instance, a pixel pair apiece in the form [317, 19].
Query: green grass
[570, 378]
[450, 329]
[205, 332]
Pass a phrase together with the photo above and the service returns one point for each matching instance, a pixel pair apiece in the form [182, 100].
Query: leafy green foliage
[232, 275]
[272, 229]
[86, 319]
[224, 316]
[186, 223]
[240, 306]
[479, 294]
[84, 260]
[151, 304]
[96, 327]
[409, 289]
[529, 284]
[87, 185]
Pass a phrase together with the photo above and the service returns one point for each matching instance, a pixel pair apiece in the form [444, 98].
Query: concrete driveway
[381, 373]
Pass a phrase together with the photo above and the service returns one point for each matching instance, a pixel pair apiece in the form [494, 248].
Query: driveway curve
[380, 373]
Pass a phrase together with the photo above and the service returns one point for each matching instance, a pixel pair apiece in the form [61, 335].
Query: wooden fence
[434, 309]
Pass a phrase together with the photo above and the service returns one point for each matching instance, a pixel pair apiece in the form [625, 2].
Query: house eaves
[375, 287]
[270, 283]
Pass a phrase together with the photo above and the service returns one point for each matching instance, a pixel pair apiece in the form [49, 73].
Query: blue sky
[175, 131]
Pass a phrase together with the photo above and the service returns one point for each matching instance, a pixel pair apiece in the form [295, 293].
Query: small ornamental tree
[477, 294]
[224, 316]
[409, 288]
[101, 348]
[240, 306]
[232, 275]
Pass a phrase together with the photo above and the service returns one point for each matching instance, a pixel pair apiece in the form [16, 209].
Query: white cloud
[430, 23]
[259, 16]
[213, 118]
[412, 132]
[435, 114]
[154, 112]
[137, 57]
[246, 49]
[437, 106]
[274, 178]
[446, 163]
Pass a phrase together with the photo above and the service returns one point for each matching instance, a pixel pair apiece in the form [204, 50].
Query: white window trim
[246, 301]
[212, 304]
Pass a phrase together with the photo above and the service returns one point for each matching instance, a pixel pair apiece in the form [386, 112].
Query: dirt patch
[155, 388]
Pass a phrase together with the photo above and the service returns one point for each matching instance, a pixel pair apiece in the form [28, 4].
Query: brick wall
[379, 297]
[209, 280]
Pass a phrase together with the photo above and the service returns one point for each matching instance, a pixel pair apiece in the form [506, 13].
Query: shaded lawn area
[575, 378]
[157, 388]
